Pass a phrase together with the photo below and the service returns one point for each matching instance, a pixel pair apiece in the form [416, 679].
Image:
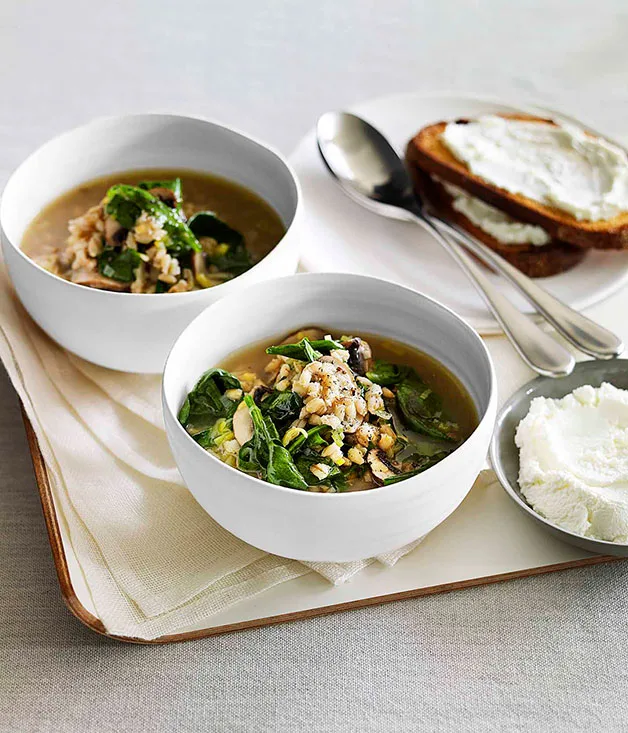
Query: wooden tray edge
[95, 624]
[54, 533]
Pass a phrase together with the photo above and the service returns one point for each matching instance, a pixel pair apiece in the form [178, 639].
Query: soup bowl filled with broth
[336, 418]
[118, 233]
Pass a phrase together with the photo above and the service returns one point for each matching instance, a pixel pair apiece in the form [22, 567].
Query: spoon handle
[537, 348]
[582, 332]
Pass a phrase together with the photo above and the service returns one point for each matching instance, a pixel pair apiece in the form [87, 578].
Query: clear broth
[240, 207]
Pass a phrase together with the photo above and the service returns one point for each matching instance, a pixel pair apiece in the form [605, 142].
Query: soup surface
[330, 414]
[86, 235]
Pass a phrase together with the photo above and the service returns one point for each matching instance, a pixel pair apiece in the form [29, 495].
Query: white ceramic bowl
[127, 331]
[328, 527]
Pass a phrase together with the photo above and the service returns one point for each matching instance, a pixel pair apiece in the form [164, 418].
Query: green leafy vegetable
[421, 409]
[313, 437]
[263, 426]
[305, 350]
[265, 455]
[340, 482]
[326, 345]
[281, 407]
[410, 442]
[282, 469]
[123, 210]
[386, 374]
[205, 438]
[249, 461]
[118, 264]
[207, 224]
[233, 261]
[207, 401]
[254, 455]
[235, 258]
[302, 351]
[421, 463]
[125, 203]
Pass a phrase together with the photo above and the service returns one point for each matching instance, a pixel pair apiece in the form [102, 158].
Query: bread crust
[427, 152]
[533, 261]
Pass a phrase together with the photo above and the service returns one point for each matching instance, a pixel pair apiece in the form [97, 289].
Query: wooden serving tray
[486, 540]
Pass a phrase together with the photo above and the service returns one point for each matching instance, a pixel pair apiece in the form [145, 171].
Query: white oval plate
[340, 236]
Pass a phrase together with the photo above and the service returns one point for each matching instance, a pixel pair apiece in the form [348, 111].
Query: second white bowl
[127, 331]
[329, 527]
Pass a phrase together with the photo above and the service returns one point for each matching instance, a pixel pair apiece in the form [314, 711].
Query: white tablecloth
[538, 654]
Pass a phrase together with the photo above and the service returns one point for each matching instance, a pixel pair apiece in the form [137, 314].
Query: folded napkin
[153, 560]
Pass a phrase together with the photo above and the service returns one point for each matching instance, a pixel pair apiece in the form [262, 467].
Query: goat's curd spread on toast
[557, 165]
[493, 221]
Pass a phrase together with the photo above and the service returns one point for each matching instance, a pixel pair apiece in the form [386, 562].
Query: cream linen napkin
[153, 560]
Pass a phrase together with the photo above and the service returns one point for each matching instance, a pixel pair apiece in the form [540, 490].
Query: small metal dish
[504, 454]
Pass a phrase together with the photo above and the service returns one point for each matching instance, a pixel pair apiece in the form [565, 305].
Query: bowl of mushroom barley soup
[118, 233]
[337, 417]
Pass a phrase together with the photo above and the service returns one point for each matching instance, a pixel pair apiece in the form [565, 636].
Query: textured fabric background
[539, 654]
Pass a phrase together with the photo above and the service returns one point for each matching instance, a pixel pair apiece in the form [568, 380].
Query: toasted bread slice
[534, 261]
[427, 151]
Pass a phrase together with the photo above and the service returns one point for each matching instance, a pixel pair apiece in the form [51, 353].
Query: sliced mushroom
[115, 233]
[200, 271]
[166, 195]
[198, 263]
[242, 424]
[96, 280]
[360, 355]
[381, 466]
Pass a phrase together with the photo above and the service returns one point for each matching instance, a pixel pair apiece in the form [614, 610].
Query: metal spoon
[371, 172]
[582, 332]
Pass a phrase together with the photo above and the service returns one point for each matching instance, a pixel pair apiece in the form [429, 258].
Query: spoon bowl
[365, 164]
